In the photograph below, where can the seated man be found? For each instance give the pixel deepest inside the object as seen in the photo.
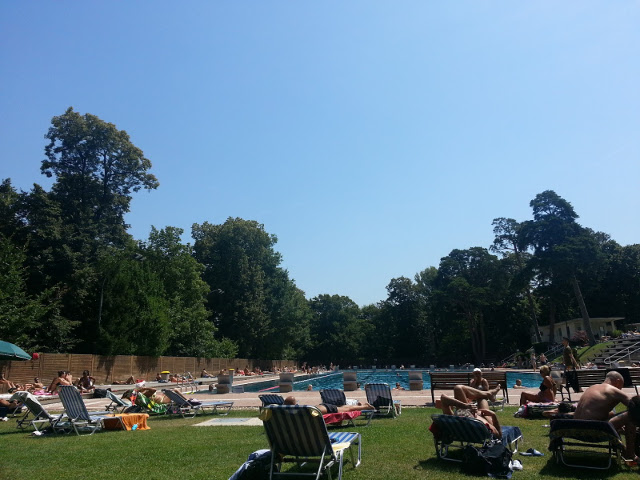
(61, 379)
(598, 401)
(466, 409)
(330, 408)
(86, 381)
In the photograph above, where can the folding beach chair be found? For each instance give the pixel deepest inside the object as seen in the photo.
(379, 395)
(39, 413)
(333, 396)
(583, 441)
(297, 433)
(117, 405)
(187, 408)
(448, 429)
(76, 411)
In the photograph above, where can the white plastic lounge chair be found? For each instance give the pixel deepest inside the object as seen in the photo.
(76, 411)
(379, 395)
(184, 407)
(297, 433)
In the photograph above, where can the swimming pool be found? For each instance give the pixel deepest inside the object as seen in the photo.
(334, 380)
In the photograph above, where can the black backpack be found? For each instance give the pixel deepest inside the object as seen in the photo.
(494, 459)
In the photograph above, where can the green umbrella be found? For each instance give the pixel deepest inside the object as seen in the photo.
(9, 351)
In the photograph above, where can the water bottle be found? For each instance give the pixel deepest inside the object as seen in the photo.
(134, 427)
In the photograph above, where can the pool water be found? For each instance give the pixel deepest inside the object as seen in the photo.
(334, 380)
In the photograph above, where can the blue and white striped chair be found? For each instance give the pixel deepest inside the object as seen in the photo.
(379, 395)
(76, 411)
(447, 429)
(297, 433)
(333, 396)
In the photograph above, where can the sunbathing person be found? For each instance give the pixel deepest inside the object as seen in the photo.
(467, 409)
(61, 379)
(467, 394)
(331, 408)
(547, 392)
(128, 381)
(85, 383)
(4, 381)
(598, 401)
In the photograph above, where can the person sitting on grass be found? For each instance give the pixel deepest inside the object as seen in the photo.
(598, 401)
(331, 408)
(547, 392)
(470, 410)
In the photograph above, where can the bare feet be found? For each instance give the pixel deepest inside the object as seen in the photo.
(493, 393)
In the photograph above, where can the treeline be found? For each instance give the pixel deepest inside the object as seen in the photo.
(74, 280)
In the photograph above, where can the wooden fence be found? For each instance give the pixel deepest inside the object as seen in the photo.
(107, 369)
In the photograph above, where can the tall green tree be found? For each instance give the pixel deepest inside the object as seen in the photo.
(562, 248)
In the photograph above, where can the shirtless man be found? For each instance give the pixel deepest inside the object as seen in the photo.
(61, 379)
(466, 409)
(330, 408)
(598, 401)
(4, 381)
(85, 383)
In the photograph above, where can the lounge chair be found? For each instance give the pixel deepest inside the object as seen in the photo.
(447, 429)
(76, 411)
(40, 414)
(591, 438)
(333, 396)
(187, 408)
(297, 433)
(379, 395)
(271, 399)
(117, 405)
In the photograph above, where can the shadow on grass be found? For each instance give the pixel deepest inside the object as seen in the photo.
(435, 465)
(553, 469)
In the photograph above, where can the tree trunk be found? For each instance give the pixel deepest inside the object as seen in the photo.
(583, 309)
(534, 317)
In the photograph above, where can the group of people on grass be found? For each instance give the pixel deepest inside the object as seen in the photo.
(596, 403)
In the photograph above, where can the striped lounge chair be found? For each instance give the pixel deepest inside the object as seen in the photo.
(76, 411)
(584, 442)
(297, 433)
(185, 407)
(333, 396)
(40, 414)
(457, 432)
(379, 395)
(271, 399)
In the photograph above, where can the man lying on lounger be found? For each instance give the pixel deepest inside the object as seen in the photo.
(330, 408)
(598, 401)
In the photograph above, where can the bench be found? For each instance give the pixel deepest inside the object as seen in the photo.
(448, 380)
(585, 378)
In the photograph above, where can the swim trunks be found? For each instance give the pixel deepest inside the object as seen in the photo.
(331, 408)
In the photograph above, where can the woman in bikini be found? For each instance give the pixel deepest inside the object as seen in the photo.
(547, 392)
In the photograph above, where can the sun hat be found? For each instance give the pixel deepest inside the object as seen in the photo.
(477, 370)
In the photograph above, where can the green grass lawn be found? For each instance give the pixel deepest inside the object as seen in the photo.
(174, 449)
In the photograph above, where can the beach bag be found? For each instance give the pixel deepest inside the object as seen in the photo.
(256, 467)
(493, 459)
(100, 393)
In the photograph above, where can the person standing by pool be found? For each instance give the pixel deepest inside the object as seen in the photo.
(570, 366)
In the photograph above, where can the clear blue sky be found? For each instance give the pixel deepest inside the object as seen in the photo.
(371, 137)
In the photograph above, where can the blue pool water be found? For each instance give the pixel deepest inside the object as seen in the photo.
(334, 380)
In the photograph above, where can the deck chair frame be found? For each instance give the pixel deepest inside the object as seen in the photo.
(573, 438)
(117, 404)
(181, 405)
(77, 414)
(379, 395)
(458, 432)
(333, 396)
(40, 415)
(298, 434)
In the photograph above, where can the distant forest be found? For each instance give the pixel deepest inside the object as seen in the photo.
(74, 280)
